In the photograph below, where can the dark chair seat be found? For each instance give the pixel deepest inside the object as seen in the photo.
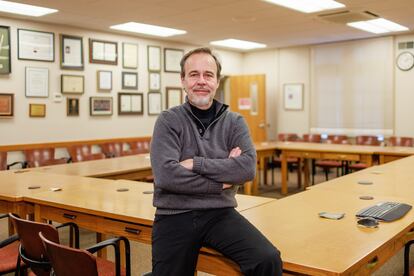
(328, 163)
(8, 257)
(107, 268)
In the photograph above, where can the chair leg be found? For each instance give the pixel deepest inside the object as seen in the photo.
(407, 258)
(313, 171)
(326, 173)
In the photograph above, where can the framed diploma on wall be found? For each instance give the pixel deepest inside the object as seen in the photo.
(71, 52)
(35, 45)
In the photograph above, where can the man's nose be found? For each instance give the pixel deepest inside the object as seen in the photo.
(201, 80)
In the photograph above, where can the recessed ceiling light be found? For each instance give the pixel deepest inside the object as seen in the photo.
(24, 9)
(147, 29)
(378, 26)
(238, 44)
(308, 6)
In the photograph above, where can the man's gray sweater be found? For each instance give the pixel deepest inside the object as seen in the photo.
(177, 137)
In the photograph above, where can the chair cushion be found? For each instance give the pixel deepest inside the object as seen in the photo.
(328, 163)
(107, 268)
(8, 257)
(358, 166)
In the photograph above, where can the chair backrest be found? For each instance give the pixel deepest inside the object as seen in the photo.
(287, 137)
(37, 157)
(401, 141)
(312, 138)
(31, 244)
(78, 153)
(337, 139)
(3, 160)
(112, 149)
(140, 146)
(67, 261)
(367, 140)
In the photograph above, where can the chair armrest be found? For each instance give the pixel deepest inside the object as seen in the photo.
(4, 216)
(23, 164)
(74, 227)
(115, 243)
(9, 240)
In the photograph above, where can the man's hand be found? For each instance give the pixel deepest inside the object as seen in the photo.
(233, 153)
(188, 164)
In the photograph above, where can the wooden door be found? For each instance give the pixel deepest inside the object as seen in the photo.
(247, 97)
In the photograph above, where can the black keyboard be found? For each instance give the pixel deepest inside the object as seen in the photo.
(386, 211)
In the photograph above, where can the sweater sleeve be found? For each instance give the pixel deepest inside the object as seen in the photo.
(165, 161)
(231, 170)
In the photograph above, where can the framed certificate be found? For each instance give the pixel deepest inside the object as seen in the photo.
(130, 103)
(172, 58)
(293, 96)
(5, 61)
(71, 52)
(6, 105)
(37, 110)
(72, 84)
(72, 106)
(103, 52)
(154, 103)
(154, 80)
(37, 82)
(129, 55)
(129, 80)
(154, 58)
(174, 96)
(104, 79)
(100, 106)
(35, 45)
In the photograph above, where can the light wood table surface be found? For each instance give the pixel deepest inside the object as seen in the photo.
(388, 154)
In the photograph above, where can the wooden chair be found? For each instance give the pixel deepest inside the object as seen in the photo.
(394, 141)
(366, 140)
(67, 261)
(337, 139)
(83, 153)
(311, 138)
(3, 162)
(112, 149)
(140, 146)
(42, 157)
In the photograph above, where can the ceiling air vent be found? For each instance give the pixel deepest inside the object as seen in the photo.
(344, 17)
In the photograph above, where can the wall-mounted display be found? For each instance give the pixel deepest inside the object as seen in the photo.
(37, 82)
(71, 52)
(37, 110)
(154, 58)
(154, 103)
(174, 96)
(172, 58)
(103, 52)
(154, 80)
(130, 103)
(104, 80)
(129, 80)
(35, 45)
(5, 61)
(293, 96)
(100, 106)
(130, 55)
(6, 105)
(72, 106)
(72, 84)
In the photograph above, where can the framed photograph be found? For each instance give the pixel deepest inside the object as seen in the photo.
(293, 96)
(154, 103)
(5, 61)
(154, 81)
(37, 110)
(100, 106)
(37, 82)
(72, 106)
(172, 58)
(154, 58)
(174, 96)
(129, 80)
(71, 52)
(130, 55)
(130, 103)
(104, 80)
(6, 105)
(72, 84)
(103, 52)
(35, 45)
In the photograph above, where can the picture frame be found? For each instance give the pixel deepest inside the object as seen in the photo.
(129, 55)
(130, 80)
(104, 80)
(172, 58)
(174, 96)
(37, 82)
(6, 105)
(130, 103)
(37, 110)
(35, 45)
(154, 81)
(72, 107)
(100, 106)
(154, 103)
(72, 84)
(71, 52)
(103, 52)
(154, 58)
(293, 96)
(5, 49)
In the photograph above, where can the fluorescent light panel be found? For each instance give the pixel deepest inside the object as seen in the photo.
(24, 9)
(308, 6)
(147, 29)
(238, 44)
(378, 26)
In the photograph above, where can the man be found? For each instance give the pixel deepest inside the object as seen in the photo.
(200, 154)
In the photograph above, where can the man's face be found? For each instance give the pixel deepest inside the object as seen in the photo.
(200, 80)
